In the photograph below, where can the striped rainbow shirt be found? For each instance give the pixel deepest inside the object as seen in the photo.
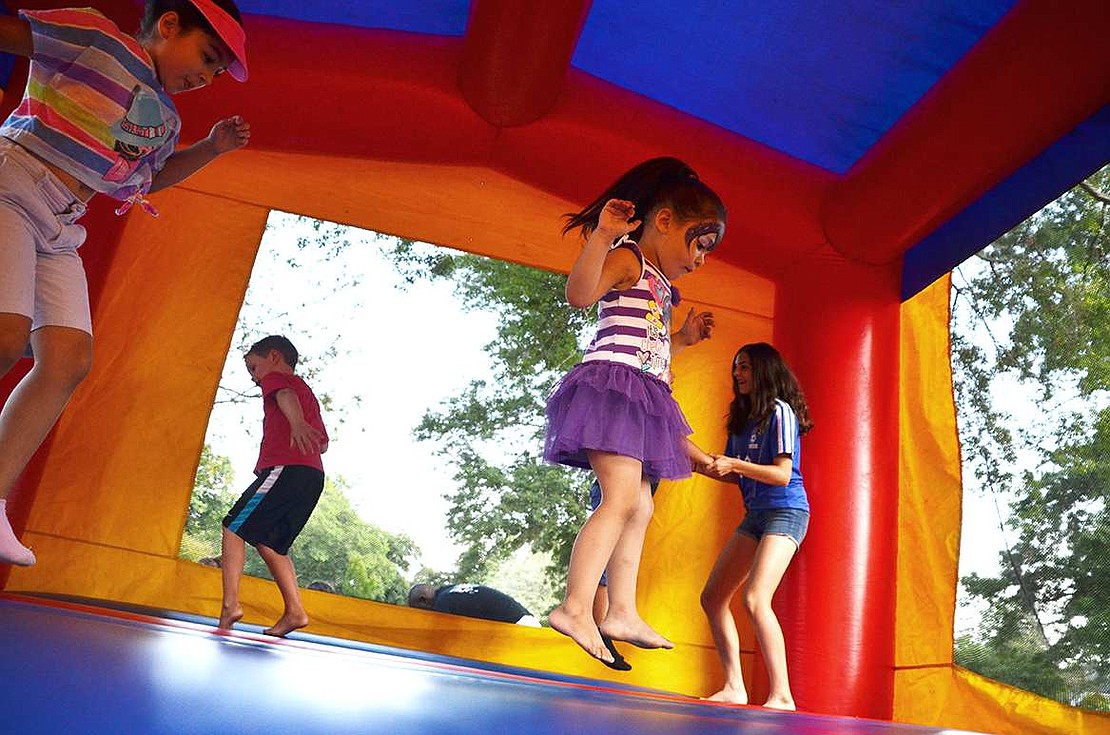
(93, 106)
(634, 325)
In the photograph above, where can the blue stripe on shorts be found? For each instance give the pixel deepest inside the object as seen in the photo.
(257, 498)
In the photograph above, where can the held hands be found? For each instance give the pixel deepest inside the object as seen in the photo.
(721, 468)
(229, 134)
(696, 328)
(307, 439)
(616, 218)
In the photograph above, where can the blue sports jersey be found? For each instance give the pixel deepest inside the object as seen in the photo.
(781, 437)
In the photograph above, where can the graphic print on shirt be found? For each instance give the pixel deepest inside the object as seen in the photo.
(755, 445)
(141, 130)
(653, 356)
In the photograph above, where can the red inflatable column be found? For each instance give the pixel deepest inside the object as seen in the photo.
(516, 55)
(837, 326)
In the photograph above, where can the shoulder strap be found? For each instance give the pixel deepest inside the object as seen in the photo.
(626, 242)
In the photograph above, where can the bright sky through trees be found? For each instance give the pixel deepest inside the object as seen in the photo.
(380, 350)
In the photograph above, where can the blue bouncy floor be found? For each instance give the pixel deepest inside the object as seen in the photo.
(77, 668)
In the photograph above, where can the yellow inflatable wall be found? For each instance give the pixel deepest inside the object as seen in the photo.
(929, 688)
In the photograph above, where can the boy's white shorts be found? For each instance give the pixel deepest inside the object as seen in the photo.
(41, 274)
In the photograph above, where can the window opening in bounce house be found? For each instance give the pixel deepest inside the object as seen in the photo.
(422, 360)
(1030, 353)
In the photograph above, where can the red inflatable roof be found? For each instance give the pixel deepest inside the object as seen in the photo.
(872, 129)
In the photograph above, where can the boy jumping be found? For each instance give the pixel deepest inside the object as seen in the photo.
(290, 477)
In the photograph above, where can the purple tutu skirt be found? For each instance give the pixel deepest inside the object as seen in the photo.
(610, 407)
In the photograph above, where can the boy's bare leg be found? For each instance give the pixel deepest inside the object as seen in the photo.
(232, 558)
(281, 567)
(63, 357)
(622, 620)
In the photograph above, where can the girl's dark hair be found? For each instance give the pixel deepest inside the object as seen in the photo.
(660, 182)
(771, 379)
(187, 14)
(276, 342)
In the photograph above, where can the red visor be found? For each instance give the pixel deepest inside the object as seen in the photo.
(230, 32)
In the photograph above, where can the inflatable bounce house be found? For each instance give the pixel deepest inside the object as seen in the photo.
(863, 148)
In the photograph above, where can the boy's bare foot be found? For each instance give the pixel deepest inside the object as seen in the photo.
(286, 624)
(634, 631)
(229, 616)
(583, 631)
(729, 695)
(783, 703)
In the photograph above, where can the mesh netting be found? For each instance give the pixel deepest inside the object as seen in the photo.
(1031, 360)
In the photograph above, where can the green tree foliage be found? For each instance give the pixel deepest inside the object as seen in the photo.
(357, 558)
(1039, 313)
(208, 506)
(491, 433)
(336, 547)
(311, 254)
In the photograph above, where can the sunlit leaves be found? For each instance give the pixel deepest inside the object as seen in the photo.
(503, 497)
(336, 547)
(1036, 310)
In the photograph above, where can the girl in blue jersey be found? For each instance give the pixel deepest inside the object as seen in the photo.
(613, 412)
(766, 419)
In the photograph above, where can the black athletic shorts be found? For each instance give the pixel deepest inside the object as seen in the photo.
(274, 509)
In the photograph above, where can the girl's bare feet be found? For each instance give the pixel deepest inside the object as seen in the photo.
(730, 695)
(286, 624)
(783, 703)
(229, 616)
(634, 631)
(583, 631)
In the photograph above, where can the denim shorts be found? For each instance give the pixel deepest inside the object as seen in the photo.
(790, 522)
(41, 274)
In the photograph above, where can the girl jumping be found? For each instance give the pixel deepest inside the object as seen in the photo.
(614, 412)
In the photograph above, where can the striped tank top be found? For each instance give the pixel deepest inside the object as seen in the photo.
(93, 106)
(634, 325)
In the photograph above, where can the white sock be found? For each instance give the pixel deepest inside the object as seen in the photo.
(11, 551)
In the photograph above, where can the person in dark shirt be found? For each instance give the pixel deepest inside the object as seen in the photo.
(471, 600)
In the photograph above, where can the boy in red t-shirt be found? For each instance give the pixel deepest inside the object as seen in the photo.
(290, 477)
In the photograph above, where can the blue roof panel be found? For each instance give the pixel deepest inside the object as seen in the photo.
(823, 91)
(443, 17)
